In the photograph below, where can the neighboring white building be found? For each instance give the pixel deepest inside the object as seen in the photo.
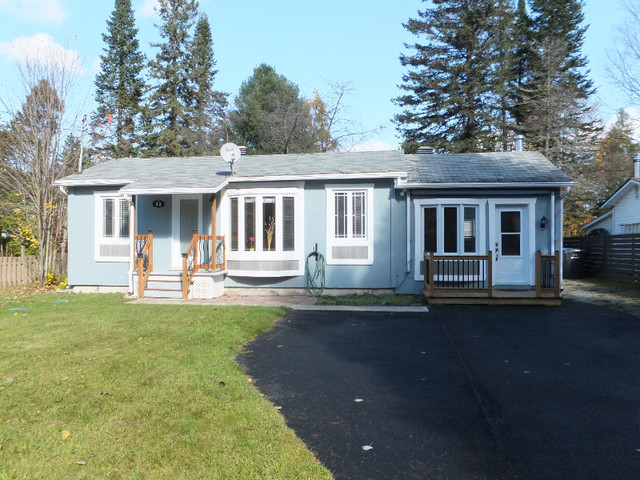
(623, 216)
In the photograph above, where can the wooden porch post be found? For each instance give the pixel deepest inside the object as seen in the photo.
(214, 202)
(140, 277)
(185, 280)
(538, 274)
(556, 272)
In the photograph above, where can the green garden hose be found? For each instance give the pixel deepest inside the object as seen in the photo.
(315, 274)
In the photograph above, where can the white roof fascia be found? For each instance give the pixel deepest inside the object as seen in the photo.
(318, 176)
(92, 183)
(405, 185)
(614, 198)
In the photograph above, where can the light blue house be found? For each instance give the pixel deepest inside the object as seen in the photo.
(489, 223)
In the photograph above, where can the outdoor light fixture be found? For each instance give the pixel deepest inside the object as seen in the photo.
(543, 222)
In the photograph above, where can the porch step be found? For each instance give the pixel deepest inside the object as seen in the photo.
(164, 286)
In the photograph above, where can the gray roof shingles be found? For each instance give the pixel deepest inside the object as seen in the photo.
(185, 173)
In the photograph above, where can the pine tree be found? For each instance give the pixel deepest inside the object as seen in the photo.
(555, 99)
(208, 130)
(452, 81)
(270, 115)
(523, 57)
(119, 86)
(167, 124)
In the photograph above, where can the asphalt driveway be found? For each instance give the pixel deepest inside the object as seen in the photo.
(465, 392)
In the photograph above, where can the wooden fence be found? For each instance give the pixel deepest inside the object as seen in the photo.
(616, 257)
(16, 271)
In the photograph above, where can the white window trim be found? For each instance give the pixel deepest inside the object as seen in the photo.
(99, 239)
(529, 228)
(332, 241)
(297, 192)
(419, 204)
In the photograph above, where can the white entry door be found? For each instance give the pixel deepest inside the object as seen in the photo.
(187, 217)
(512, 245)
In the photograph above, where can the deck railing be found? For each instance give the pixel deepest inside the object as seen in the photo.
(548, 274)
(472, 275)
(144, 259)
(449, 273)
(201, 255)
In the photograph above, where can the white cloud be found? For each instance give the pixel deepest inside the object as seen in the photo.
(147, 9)
(36, 11)
(41, 49)
(371, 146)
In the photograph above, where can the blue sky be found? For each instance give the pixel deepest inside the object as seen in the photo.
(309, 42)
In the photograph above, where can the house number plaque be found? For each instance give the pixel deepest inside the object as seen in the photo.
(158, 203)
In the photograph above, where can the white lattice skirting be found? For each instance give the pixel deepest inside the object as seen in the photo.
(205, 287)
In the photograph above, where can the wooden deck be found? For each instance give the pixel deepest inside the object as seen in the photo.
(498, 297)
(467, 280)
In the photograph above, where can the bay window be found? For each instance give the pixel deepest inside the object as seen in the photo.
(264, 232)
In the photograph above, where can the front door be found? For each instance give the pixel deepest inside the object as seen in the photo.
(511, 247)
(187, 217)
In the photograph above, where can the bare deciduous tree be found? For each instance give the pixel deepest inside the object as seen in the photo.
(334, 127)
(624, 59)
(38, 149)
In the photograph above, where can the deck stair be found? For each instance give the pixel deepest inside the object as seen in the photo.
(164, 285)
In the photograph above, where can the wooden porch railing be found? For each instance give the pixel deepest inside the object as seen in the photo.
(548, 274)
(458, 276)
(201, 255)
(144, 260)
(452, 273)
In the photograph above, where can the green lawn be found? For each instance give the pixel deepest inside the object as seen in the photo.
(370, 299)
(92, 387)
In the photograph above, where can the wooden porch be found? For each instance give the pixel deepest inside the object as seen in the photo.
(205, 253)
(468, 279)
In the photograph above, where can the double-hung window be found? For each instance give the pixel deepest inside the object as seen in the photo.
(349, 224)
(265, 227)
(112, 228)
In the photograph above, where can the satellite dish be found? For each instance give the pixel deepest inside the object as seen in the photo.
(230, 152)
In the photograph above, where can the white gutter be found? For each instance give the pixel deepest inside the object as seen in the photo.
(90, 183)
(463, 185)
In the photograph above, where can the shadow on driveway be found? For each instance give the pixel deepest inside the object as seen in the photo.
(467, 392)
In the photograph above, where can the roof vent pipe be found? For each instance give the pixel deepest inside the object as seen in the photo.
(519, 142)
(425, 151)
(636, 166)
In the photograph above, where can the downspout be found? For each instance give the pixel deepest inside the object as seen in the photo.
(562, 239)
(553, 224)
(408, 197)
(132, 244)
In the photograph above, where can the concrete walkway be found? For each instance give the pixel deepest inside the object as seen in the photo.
(293, 302)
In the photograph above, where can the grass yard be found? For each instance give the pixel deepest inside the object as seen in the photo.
(370, 299)
(92, 387)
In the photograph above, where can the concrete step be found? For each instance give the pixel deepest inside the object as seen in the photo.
(162, 293)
